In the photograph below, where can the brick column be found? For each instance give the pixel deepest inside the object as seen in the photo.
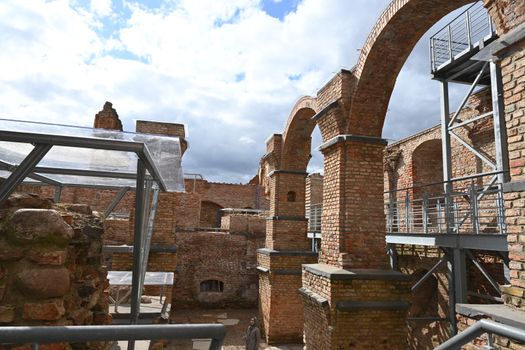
(352, 299)
(512, 65)
(279, 263)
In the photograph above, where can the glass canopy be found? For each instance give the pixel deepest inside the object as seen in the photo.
(92, 157)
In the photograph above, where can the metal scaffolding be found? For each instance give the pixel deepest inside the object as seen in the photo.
(62, 156)
(469, 212)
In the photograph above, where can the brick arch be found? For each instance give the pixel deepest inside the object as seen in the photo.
(427, 166)
(387, 47)
(297, 134)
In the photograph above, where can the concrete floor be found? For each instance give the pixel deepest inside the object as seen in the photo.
(235, 320)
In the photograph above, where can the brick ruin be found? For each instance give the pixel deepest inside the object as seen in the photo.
(351, 298)
(346, 296)
(189, 227)
(51, 265)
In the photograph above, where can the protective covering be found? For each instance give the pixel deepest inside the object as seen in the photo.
(123, 278)
(91, 157)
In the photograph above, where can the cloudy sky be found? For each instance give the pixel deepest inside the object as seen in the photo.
(230, 70)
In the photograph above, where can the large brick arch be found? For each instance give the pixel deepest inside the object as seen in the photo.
(388, 45)
(297, 135)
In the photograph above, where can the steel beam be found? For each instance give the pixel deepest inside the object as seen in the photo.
(460, 275)
(485, 273)
(137, 243)
(429, 273)
(500, 130)
(469, 92)
(21, 172)
(451, 291)
(446, 151)
(492, 242)
(116, 200)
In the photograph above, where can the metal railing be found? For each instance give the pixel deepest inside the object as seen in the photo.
(469, 208)
(461, 35)
(314, 217)
(76, 334)
(479, 328)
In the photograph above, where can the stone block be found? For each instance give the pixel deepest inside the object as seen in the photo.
(10, 252)
(7, 314)
(45, 311)
(44, 282)
(39, 225)
(45, 257)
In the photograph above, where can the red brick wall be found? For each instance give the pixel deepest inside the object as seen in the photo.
(229, 258)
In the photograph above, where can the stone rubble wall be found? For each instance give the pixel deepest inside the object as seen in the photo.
(51, 270)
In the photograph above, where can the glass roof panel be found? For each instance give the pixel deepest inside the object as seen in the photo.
(165, 153)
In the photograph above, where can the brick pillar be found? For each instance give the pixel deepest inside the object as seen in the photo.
(512, 65)
(279, 263)
(107, 118)
(352, 299)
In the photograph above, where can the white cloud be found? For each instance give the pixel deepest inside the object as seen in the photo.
(226, 69)
(101, 8)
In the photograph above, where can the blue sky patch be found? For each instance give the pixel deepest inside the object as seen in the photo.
(280, 8)
(240, 76)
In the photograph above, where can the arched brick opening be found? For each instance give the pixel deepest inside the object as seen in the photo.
(427, 168)
(354, 183)
(388, 46)
(211, 214)
(297, 135)
(287, 246)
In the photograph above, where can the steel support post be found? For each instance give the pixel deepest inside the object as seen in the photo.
(447, 158)
(500, 130)
(58, 194)
(149, 230)
(392, 253)
(137, 243)
(460, 275)
(21, 172)
(451, 291)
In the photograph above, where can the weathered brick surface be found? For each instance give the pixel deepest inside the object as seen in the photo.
(229, 258)
(353, 222)
(107, 118)
(45, 281)
(326, 327)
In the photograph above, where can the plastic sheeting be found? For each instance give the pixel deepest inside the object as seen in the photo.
(123, 278)
(96, 156)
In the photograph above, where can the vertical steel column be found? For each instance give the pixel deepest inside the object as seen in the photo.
(58, 194)
(137, 243)
(474, 210)
(500, 130)
(149, 229)
(451, 291)
(424, 212)
(447, 158)
(460, 275)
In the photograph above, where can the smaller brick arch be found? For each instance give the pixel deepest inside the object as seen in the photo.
(297, 135)
(427, 166)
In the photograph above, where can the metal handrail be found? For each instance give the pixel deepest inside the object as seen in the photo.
(460, 35)
(479, 328)
(466, 208)
(38, 335)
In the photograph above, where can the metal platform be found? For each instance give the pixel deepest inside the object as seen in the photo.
(461, 241)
